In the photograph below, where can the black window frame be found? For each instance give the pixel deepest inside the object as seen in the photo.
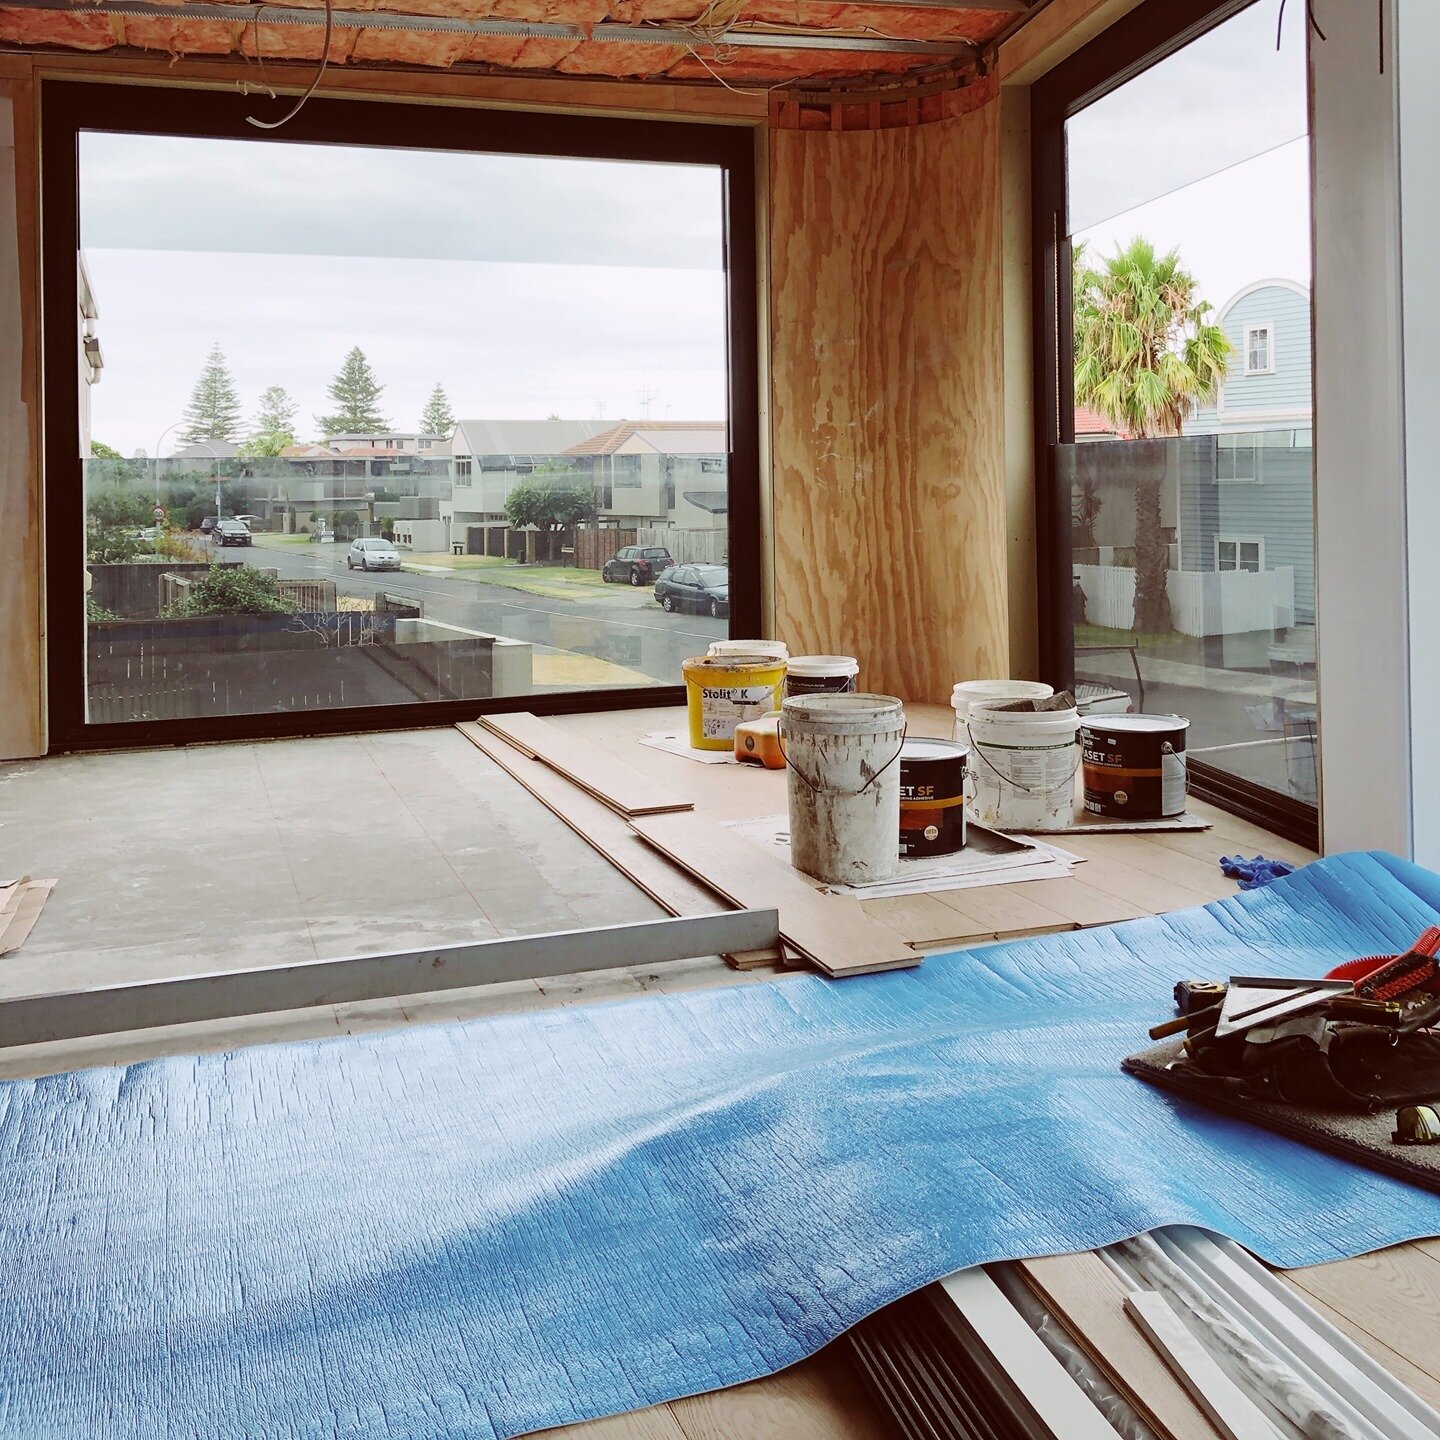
(1151, 33)
(68, 107)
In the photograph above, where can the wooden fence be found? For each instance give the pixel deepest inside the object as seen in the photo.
(688, 547)
(593, 546)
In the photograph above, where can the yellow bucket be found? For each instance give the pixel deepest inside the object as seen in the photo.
(723, 690)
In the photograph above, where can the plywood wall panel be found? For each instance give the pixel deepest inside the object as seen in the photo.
(21, 606)
(888, 400)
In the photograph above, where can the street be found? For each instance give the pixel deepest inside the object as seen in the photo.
(621, 625)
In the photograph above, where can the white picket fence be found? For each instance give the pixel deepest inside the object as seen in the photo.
(1229, 602)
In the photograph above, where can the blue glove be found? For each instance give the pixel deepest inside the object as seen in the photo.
(1252, 874)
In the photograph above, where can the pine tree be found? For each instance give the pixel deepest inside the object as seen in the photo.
(214, 409)
(275, 414)
(356, 394)
(437, 418)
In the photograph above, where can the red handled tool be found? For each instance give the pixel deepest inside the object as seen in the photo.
(1388, 977)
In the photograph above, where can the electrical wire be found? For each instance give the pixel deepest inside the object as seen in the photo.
(299, 105)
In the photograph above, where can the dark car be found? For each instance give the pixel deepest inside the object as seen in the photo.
(703, 588)
(639, 564)
(232, 532)
(207, 524)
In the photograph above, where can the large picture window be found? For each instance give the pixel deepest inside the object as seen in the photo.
(1176, 474)
(353, 423)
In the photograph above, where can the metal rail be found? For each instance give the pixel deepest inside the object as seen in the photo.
(145, 1005)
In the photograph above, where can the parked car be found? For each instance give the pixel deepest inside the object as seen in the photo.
(703, 588)
(150, 533)
(207, 524)
(232, 532)
(372, 555)
(639, 564)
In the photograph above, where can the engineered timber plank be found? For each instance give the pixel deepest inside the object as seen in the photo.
(1088, 1299)
(1075, 900)
(832, 931)
(1234, 1414)
(1004, 910)
(601, 828)
(822, 1398)
(656, 1423)
(612, 781)
(1426, 1386)
(1200, 875)
(924, 919)
(1393, 1295)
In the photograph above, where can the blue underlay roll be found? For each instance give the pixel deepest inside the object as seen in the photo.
(487, 1228)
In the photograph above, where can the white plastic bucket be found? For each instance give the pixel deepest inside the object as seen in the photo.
(771, 649)
(821, 675)
(971, 692)
(1023, 766)
(842, 754)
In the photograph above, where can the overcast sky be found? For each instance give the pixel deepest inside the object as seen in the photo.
(1205, 153)
(526, 286)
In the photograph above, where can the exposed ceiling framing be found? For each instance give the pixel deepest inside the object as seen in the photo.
(766, 43)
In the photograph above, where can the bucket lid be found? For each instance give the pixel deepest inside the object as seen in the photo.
(844, 714)
(969, 691)
(816, 667)
(1133, 723)
(737, 664)
(921, 748)
(776, 648)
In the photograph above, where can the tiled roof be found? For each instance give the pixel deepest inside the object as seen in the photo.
(609, 441)
(1091, 423)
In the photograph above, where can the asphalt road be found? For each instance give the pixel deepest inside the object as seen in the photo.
(621, 625)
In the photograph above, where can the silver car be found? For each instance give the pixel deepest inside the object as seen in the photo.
(373, 555)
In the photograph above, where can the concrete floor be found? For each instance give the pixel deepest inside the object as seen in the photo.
(228, 856)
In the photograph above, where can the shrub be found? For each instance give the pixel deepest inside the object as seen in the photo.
(110, 544)
(233, 590)
(94, 610)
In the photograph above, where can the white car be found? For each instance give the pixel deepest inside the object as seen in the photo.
(373, 555)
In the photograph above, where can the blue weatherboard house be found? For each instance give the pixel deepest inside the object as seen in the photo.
(1256, 513)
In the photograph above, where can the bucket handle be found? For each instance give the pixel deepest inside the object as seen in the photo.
(979, 748)
(814, 788)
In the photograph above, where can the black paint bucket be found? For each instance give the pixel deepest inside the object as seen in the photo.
(932, 797)
(820, 675)
(1134, 765)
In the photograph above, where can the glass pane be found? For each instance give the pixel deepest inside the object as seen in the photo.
(367, 427)
(1191, 479)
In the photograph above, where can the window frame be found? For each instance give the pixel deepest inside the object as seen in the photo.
(1153, 31)
(1268, 326)
(1258, 541)
(70, 106)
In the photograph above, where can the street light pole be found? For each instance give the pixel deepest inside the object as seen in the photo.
(158, 443)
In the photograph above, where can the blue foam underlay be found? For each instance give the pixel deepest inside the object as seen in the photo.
(486, 1228)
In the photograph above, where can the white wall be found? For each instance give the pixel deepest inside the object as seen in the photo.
(1363, 592)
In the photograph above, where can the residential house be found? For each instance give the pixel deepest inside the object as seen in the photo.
(489, 458)
(667, 473)
(1257, 513)
(92, 358)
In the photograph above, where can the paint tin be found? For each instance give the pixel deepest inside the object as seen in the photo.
(1134, 765)
(721, 691)
(971, 692)
(932, 797)
(821, 675)
(723, 649)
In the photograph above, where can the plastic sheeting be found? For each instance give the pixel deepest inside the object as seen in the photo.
(486, 1228)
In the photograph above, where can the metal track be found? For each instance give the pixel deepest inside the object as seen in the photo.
(228, 994)
(605, 31)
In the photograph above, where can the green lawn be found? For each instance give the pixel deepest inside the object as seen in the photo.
(1101, 635)
(275, 542)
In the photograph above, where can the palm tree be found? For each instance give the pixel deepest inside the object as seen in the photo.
(1147, 355)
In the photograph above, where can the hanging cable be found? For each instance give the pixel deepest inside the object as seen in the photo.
(1309, 11)
(299, 105)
